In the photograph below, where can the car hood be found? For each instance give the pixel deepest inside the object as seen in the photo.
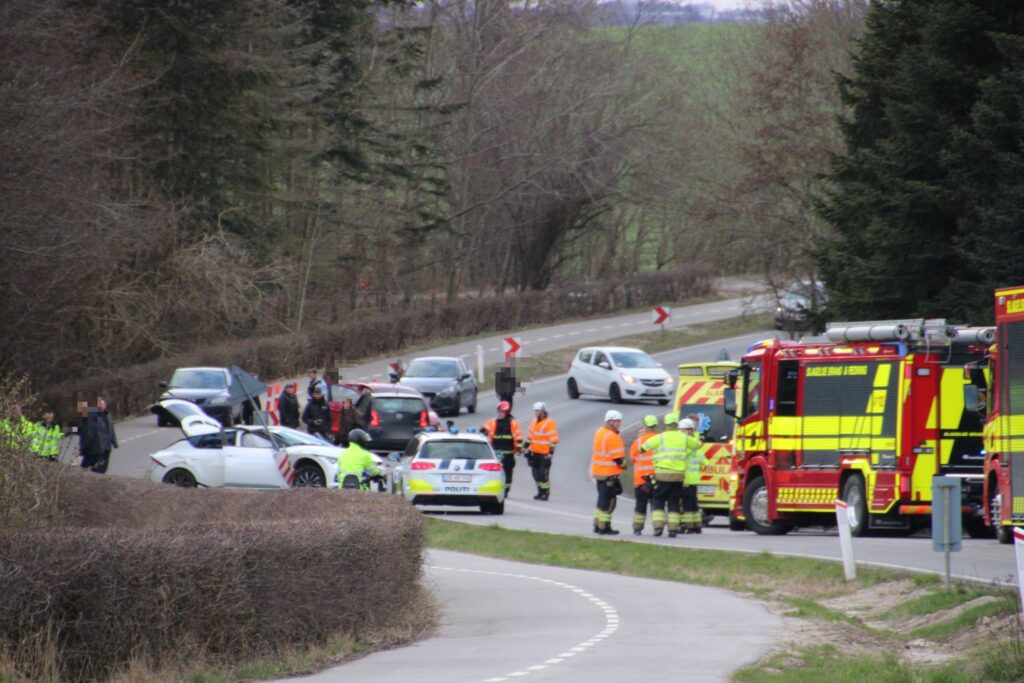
(428, 384)
(189, 417)
(645, 373)
(193, 394)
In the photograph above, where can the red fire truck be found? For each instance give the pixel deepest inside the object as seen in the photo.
(996, 394)
(869, 416)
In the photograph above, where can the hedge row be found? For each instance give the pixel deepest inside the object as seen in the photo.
(131, 390)
(137, 572)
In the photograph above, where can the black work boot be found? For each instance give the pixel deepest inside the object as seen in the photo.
(598, 530)
(610, 532)
(540, 494)
(658, 531)
(545, 494)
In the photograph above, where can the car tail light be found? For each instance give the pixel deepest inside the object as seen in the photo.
(490, 466)
(423, 465)
(374, 418)
(424, 419)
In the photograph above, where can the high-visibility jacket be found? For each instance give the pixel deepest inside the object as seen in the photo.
(609, 453)
(46, 443)
(670, 451)
(643, 464)
(356, 460)
(693, 460)
(542, 435)
(17, 434)
(504, 438)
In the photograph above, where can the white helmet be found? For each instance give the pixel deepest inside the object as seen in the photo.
(687, 423)
(612, 415)
(540, 405)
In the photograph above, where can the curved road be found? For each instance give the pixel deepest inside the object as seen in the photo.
(506, 621)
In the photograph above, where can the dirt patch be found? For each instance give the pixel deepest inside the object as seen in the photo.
(870, 602)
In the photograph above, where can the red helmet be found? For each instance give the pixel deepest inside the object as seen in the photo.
(504, 407)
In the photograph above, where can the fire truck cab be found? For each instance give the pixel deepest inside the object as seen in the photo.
(995, 394)
(869, 416)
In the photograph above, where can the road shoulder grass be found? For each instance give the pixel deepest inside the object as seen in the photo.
(833, 630)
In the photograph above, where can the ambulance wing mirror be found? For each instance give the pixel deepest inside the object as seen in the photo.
(731, 378)
(729, 401)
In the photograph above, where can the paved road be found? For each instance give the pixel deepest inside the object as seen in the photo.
(139, 437)
(505, 621)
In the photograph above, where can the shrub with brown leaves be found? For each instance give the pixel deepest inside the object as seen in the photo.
(141, 572)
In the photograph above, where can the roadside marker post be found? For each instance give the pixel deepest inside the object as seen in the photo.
(946, 519)
(1018, 547)
(511, 346)
(480, 363)
(660, 315)
(845, 539)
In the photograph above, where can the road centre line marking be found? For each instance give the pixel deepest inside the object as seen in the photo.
(611, 617)
(139, 436)
(591, 329)
(558, 336)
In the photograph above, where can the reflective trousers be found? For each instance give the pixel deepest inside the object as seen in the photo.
(644, 495)
(667, 494)
(607, 493)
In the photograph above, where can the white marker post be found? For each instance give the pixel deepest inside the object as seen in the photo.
(845, 539)
(1018, 546)
(479, 363)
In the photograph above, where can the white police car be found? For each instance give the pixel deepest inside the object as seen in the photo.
(452, 468)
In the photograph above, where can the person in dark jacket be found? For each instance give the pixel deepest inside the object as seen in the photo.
(288, 407)
(96, 437)
(317, 414)
(348, 420)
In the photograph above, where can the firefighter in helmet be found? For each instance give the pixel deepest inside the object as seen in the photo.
(506, 438)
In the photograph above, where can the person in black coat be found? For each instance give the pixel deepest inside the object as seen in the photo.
(288, 407)
(96, 437)
(317, 415)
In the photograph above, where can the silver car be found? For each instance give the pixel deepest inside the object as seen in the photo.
(452, 468)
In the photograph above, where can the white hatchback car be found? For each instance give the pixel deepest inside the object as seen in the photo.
(620, 374)
(242, 456)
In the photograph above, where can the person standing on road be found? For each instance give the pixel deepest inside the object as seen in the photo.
(288, 406)
(96, 437)
(669, 455)
(643, 473)
(355, 461)
(606, 464)
(505, 384)
(48, 435)
(506, 438)
(317, 414)
(691, 519)
(315, 383)
(540, 444)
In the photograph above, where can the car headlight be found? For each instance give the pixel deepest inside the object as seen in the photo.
(669, 380)
(448, 390)
(218, 400)
(628, 379)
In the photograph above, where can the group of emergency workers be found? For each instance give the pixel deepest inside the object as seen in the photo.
(666, 471)
(506, 437)
(41, 438)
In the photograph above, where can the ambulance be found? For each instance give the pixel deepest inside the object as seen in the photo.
(699, 392)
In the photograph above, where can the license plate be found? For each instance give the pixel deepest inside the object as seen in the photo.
(458, 477)
(705, 490)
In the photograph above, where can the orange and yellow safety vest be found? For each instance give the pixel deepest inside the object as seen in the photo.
(609, 451)
(543, 434)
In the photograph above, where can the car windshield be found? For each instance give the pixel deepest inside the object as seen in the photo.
(633, 359)
(198, 379)
(340, 393)
(293, 437)
(431, 368)
(456, 450)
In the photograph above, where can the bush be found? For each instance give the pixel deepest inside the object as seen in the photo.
(139, 572)
(130, 390)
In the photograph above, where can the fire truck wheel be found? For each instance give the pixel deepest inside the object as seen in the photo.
(853, 494)
(1004, 534)
(755, 508)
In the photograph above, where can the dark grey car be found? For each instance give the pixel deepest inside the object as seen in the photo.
(445, 381)
(209, 388)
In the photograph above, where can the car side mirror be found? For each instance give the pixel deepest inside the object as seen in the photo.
(162, 385)
(605, 365)
(394, 457)
(464, 376)
(729, 401)
(972, 399)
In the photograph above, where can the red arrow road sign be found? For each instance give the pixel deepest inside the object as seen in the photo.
(661, 314)
(511, 346)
